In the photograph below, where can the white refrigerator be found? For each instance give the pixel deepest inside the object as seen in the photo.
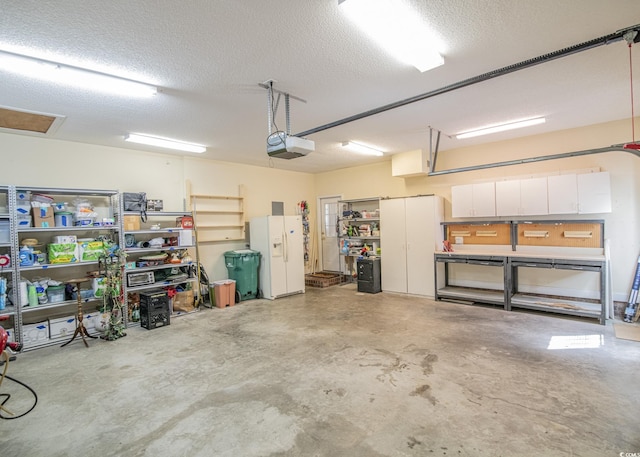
(279, 240)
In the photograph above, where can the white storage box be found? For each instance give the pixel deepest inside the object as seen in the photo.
(62, 327)
(89, 321)
(23, 209)
(23, 220)
(186, 238)
(32, 334)
(24, 198)
(4, 232)
(65, 239)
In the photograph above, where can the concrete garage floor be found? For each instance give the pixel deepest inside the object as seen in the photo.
(334, 373)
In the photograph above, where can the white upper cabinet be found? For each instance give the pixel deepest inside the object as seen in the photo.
(508, 197)
(586, 193)
(473, 200)
(594, 193)
(521, 197)
(563, 194)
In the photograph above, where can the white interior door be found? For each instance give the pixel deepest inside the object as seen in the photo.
(328, 221)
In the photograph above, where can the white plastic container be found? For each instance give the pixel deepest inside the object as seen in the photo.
(4, 232)
(63, 219)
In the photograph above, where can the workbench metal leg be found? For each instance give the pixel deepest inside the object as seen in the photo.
(506, 268)
(603, 303)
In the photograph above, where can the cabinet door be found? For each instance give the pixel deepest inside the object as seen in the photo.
(594, 193)
(533, 197)
(393, 243)
(562, 194)
(484, 199)
(508, 198)
(462, 201)
(421, 235)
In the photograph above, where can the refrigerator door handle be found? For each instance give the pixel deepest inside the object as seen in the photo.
(286, 247)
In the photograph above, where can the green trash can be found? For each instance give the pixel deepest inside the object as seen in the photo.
(242, 266)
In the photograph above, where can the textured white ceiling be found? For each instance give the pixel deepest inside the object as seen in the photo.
(208, 57)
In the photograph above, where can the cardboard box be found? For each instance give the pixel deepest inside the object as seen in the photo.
(43, 216)
(90, 251)
(62, 252)
(183, 302)
(62, 327)
(131, 223)
(33, 334)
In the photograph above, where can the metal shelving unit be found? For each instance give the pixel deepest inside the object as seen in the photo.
(134, 255)
(355, 242)
(9, 272)
(26, 314)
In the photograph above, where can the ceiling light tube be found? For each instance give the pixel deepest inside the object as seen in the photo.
(361, 148)
(164, 143)
(397, 29)
(501, 128)
(73, 76)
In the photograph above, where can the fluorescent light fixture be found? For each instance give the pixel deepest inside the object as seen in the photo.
(397, 29)
(501, 127)
(164, 143)
(73, 76)
(361, 148)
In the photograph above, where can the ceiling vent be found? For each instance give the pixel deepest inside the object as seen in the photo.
(14, 120)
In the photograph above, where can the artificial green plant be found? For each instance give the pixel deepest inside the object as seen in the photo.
(112, 267)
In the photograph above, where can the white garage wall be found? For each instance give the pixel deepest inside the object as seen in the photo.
(621, 226)
(42, 162)
(39, 162)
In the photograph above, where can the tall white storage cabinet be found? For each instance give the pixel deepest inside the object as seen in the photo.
(279, 240)
(410, 234)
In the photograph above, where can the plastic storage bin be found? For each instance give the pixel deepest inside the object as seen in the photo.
(225, 293)
(242, 266)
(55, 294)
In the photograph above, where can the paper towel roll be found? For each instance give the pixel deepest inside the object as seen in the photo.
(24, 297)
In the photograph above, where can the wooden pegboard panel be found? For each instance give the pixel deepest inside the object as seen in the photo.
(487, 234)
(564, 234)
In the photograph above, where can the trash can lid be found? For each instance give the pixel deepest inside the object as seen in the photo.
(245, 251)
